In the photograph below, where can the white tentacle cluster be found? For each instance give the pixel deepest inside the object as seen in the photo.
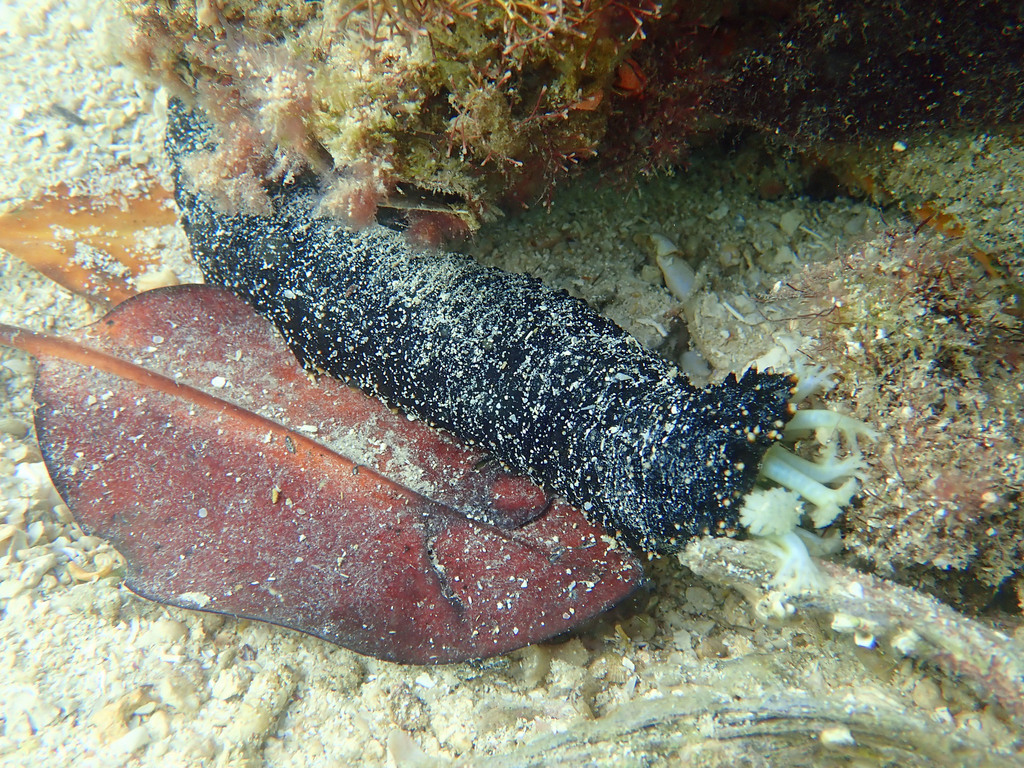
(827, 483)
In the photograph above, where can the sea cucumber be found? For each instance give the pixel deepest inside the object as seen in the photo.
(536, 377)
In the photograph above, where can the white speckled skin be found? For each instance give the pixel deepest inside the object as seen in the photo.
(538, 378)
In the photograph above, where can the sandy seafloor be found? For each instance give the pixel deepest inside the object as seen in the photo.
(92, 676)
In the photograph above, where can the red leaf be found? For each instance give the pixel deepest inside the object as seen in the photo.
(180, 428)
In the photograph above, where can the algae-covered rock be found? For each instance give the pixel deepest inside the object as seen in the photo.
(440, 107)
(441, 112)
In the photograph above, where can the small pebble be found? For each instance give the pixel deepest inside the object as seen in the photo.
(229, 683)
(178, 692)
(534, 665)
(165, 631)
(719, 213)
(14, 427)
(837, 736)
(132, 741)
(790, 221)
(927, 695)
(10, 588)
(156, 278)
(699, 600)
(37, 568)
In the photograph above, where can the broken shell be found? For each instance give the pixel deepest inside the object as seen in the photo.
(78, 573)
(680, 278)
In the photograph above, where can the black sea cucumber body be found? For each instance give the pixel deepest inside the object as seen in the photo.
(534, 376)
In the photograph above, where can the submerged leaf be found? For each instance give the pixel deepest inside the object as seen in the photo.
(88, 245)
(181, 428)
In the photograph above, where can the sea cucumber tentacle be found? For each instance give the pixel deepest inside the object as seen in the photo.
(534, 376)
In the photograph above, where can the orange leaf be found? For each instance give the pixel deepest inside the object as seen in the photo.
(88, 245)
